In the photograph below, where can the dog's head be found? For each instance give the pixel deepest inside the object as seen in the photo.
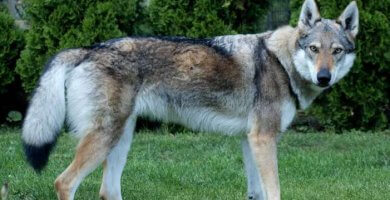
(325, 50)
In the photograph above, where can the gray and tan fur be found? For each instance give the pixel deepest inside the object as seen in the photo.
(240, 84)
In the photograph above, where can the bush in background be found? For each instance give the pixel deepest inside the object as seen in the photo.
(204, 18)
(11, 43)
(56, 25)
(361, 99)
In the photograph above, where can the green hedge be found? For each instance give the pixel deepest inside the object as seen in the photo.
(56, 25)
(205, 18)
(11, 43)
(361, 100)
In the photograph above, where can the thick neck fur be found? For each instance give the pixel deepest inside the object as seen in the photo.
(282, 42)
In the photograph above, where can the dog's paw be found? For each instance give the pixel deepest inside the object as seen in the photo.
(4, 191)
(254, 196)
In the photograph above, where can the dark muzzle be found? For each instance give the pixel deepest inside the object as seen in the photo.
(323, 77)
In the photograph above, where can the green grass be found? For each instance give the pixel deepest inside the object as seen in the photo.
(208, 166)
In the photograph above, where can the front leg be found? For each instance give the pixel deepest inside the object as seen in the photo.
(255, 187)
(263, 147)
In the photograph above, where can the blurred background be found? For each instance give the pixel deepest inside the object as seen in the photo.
(31, 31)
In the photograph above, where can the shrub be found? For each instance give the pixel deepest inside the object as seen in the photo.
(361, 100)
(11, 43)
(204, 18)
(56, 25)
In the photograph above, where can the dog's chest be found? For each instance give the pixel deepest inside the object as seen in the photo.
(288, 111)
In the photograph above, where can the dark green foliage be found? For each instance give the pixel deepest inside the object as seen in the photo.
(11, 43)
(205, 18)
(188, 18)
(57, 25)
(362, 98)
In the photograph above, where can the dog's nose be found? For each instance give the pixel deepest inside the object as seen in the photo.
(323, 77)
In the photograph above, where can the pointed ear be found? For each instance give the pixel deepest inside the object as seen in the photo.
(309, 15)
(349, 19)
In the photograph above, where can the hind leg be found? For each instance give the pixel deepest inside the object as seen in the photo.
(115, 162)
(112, 104)
(91, 152)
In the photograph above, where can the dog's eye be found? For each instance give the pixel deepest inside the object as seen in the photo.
(337, 50)
(313, 49)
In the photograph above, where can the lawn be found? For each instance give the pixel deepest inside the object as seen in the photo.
(188, 165)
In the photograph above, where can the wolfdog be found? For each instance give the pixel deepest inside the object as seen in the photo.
(236, 84)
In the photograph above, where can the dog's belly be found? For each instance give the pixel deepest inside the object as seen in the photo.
(196, 118)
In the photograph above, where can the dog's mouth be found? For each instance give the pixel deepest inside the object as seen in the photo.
(323, 85)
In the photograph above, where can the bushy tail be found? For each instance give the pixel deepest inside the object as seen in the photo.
(45, 115)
